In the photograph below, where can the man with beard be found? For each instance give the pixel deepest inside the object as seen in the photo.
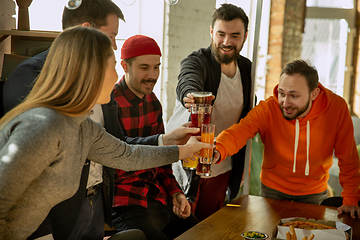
(150, 200)
(301, 126)
(221, 70)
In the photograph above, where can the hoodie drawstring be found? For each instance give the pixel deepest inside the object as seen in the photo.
(307, 167)
(297, 130)
(296, 143)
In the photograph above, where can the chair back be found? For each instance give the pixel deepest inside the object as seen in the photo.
(332, 202)
(11, 61)
(1, 98)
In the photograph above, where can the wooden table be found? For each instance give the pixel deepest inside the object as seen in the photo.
(261, 214)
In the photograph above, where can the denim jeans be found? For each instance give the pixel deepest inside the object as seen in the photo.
(90, 223)
(312, 198)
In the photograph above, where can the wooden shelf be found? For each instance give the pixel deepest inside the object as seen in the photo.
(28, 43)
(31, 33)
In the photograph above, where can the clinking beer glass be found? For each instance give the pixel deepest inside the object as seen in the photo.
(202, 97)
(206, 154)
(200, 114)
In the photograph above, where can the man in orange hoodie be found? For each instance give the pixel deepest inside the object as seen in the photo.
(300, 125)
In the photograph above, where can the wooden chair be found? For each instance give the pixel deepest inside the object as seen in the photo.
(11, 61)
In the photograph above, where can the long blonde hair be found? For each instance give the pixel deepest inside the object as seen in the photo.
(73, 74)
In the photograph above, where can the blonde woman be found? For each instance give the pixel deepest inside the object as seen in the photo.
(45, 141)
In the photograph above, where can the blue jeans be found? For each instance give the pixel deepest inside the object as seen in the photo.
(90, 223)
(312, 198)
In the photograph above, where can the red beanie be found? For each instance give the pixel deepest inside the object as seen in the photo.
(139, 45)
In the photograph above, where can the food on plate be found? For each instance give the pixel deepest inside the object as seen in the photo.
(253, 235)
(311, 237)
(308, 225)
(292, 235)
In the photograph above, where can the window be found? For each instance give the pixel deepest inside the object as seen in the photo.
(328, 42)
(142, 17)
(326, 49)
(331, 3)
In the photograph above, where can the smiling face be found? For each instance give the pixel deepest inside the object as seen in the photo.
(110, 79)
(295, 99)
(227, 40)
(142, 73)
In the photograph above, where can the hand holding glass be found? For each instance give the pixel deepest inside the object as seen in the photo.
(191, 163)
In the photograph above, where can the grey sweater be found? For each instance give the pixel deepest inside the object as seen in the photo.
(42, 153)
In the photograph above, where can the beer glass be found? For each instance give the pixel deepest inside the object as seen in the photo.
(202, 97)
(200, 113)
(206, 154)
(203, 169)
(191, 164)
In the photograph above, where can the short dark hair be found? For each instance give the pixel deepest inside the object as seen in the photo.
(94, 12)
(229, 12)
(129, 61)
(305, 69)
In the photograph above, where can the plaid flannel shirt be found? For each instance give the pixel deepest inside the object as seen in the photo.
(141, 118)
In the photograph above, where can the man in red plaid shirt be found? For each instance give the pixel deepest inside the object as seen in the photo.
(150, 200)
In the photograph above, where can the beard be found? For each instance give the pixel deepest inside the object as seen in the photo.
(137, 86)
(297, 114)
(225, 58)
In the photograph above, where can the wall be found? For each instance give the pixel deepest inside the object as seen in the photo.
(285, 37)
(294, 28)
(186, 29)
(7, 22)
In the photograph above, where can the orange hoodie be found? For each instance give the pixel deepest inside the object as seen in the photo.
(299, 153)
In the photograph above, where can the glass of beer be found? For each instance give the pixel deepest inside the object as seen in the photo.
(206, 155)
(203, 169)
(202, 97)
(207, 136)
(200, 114)
(191, 165)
